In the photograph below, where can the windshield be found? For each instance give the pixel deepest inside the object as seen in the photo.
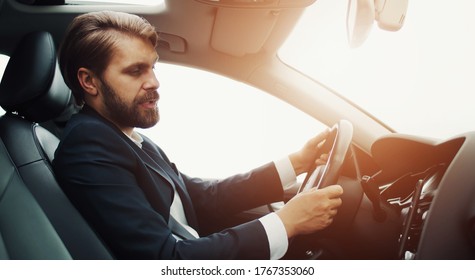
(418, 80)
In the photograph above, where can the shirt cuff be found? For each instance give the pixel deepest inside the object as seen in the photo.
(286, 172)
(276, 235)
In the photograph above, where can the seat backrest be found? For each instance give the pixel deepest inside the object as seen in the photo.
(25, 230)
(34, 211)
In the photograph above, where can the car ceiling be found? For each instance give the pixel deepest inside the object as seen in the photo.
(197, 33)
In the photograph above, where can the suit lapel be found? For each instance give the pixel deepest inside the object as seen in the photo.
(177, 180)
(155, 166)
(155, 161)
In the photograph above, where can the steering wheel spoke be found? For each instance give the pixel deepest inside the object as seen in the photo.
(336, 145)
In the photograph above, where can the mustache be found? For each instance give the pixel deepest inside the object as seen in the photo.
(149, 96)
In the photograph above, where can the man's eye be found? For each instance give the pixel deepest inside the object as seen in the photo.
(135, 71)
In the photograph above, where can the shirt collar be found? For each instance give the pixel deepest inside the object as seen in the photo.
(136, 138)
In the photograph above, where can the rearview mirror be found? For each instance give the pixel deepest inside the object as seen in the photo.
(389, 14)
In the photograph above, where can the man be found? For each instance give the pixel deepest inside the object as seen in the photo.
(127, 188)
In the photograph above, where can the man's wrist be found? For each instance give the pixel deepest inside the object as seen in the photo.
(297, 163)
(289, 229)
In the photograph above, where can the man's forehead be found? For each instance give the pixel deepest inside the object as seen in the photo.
(130, 50)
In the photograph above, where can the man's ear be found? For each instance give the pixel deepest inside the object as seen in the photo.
(88, 81)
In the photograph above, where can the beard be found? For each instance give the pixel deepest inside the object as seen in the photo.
(129, 115)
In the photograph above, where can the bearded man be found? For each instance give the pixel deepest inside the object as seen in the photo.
(125, 186)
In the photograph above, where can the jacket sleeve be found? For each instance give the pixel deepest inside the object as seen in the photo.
(102, 176)
(221, 198)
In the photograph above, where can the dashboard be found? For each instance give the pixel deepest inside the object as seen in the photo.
(413, 198)
(430, 186)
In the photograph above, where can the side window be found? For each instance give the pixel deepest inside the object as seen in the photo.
(3, 64)
(212, 126)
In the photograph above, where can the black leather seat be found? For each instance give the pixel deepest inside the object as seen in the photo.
(37, 221)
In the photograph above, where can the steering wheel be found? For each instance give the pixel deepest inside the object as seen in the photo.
(336, 146)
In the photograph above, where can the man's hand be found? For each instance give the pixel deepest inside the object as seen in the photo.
(304, 159)
(311, 210)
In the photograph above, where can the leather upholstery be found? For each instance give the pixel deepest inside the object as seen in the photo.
(37, 220)
(25, 231)
(32, 85)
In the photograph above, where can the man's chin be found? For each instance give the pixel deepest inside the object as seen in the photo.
(150, 120)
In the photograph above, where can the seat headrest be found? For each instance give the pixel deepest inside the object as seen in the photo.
(32, 85)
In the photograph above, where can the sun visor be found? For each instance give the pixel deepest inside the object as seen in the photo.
(242, 31)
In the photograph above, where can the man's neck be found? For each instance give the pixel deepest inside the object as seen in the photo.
(101, 111)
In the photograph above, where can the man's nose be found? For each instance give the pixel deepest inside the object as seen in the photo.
(152, 81)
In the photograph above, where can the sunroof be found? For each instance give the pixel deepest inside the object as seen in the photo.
(119, 2)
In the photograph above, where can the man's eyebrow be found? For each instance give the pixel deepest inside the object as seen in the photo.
(141, 64)
(135, 65)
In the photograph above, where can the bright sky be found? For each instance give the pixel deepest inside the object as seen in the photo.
(418, 80)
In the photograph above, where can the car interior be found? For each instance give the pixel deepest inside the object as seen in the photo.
(38, 220)
(405, 197)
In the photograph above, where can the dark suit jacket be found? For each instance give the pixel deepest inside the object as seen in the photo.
(125, 193)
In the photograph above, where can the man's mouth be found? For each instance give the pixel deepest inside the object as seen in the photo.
(150, 102)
